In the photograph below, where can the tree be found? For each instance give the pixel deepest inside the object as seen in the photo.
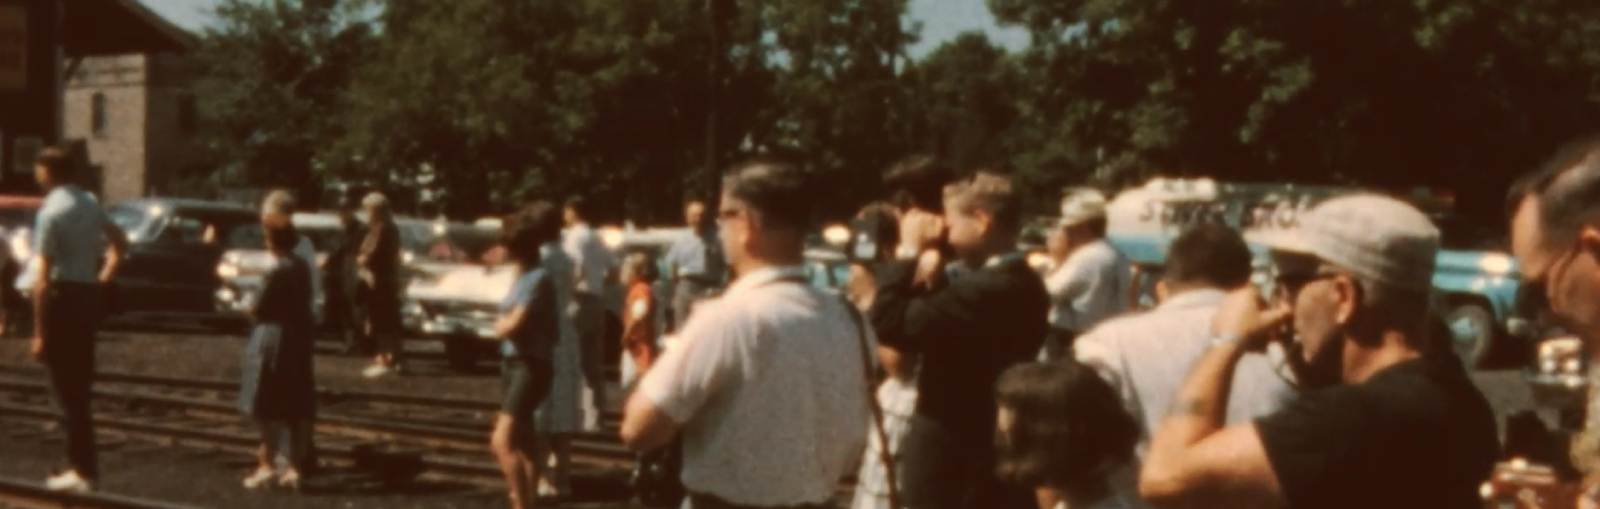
(274, 80)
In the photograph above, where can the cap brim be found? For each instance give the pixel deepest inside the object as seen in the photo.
(1283, 242)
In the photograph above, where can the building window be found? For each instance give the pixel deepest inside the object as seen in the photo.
(188, 117)
(97, 114)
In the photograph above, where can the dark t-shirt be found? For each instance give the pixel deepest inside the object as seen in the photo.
(1417, 434)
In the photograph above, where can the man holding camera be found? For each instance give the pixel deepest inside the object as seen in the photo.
(967, 326)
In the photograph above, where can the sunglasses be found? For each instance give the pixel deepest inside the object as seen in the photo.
(1287, 286)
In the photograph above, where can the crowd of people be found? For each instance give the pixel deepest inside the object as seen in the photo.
(950, 373)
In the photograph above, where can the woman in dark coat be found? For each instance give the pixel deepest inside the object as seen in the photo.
(277, 389)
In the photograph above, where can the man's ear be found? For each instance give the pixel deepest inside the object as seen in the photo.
(1349, 298)
(1589, 240)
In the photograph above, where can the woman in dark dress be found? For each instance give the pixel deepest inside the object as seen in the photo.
(528, 328)
(277, 389)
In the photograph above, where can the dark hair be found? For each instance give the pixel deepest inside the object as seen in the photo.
(57, 161)
(581, 206)
(774, 189)
(918, 182)
(526, 230)
(1069, 427)
(1209, 254)
(874, 233)
(1568, 187)
(280, 235)
(1097, 226)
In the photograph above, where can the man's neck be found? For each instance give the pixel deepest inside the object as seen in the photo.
(750, 266)
(1360, 363)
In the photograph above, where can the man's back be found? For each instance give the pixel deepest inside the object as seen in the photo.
(1417, 434)
(968, 332)
(767, 383)
(590, 256)
(69, 232)
(1091, 286)
(1147, 356)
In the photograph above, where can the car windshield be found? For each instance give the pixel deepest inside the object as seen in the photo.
(131, 220)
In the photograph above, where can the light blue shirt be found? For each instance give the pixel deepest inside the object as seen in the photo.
(698, 255)
(70, 232)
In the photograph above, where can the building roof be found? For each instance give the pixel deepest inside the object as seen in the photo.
(119, 27)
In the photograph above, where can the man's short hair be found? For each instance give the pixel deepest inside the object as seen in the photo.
(1568, 187)
(278, 202)
(776, 190)
(57, 162)
(990, 192)
(529, 228)
(577, 204)
(1210, 255)
(917, 182)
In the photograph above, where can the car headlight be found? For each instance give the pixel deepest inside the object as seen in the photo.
(1496, 264)
(837, 235)
(612, 237)
(226, 270)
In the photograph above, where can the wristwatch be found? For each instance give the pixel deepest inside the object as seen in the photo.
(1226, 339)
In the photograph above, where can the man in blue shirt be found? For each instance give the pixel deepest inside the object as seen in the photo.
(72, 233)
(696, 262)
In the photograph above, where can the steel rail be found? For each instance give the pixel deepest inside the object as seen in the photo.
(25, 494)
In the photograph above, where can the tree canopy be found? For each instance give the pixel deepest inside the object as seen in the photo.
(636, 104)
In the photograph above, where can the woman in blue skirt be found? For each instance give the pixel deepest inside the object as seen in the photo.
(277, 389)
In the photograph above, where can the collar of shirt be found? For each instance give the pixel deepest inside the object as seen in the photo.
(1194, 299)
(765, 275)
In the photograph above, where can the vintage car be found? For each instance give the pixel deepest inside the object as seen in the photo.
(457, 304)
(170, 272)
(240, 269)
(1474, 279)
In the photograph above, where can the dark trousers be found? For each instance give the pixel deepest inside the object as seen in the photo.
(73, 320)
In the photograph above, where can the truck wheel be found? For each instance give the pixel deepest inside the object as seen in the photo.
(1472, 334)
(462, 352)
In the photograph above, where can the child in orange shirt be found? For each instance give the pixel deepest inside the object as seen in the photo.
(639, 312)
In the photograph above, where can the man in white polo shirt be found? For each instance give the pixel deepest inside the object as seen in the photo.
(1091, 284)
(765, 382)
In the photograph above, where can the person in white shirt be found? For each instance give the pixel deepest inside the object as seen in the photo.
(594, 264)
(765, 383)
(1091, 284)
(1145, 357)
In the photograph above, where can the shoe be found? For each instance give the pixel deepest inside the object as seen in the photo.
(259, 480)
(376, 371)
(69, 482)
(290, 480)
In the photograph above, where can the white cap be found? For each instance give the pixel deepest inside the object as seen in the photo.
(1082, 204)
(1372, 236)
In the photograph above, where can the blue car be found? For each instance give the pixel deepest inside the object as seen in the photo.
(1475, 283)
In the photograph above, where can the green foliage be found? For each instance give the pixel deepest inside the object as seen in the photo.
(637, 103)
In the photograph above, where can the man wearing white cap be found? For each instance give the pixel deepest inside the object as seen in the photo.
(1091, 283)
(1383, 425)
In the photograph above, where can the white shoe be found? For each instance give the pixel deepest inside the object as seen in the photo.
(290, 480)
(68, 482)
(261, 479)
(376, 371)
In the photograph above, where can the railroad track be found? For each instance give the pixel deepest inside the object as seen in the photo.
(22, 494)
(398, 435)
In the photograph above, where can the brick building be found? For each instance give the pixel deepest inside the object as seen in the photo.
(44, 42)
(136, 114)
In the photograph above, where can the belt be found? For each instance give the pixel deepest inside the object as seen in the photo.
(704, 501)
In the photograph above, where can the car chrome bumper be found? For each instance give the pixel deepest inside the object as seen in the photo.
(448, 319)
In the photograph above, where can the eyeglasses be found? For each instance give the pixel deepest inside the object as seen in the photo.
(1287, 286)
(729, 214)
